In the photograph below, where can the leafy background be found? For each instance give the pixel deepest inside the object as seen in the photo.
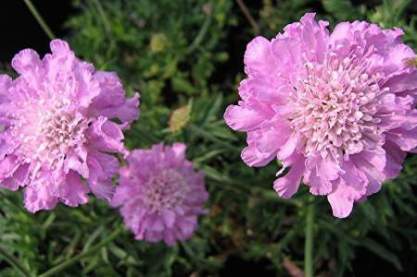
(185, 57)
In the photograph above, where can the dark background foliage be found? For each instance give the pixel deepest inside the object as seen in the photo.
(185, 57)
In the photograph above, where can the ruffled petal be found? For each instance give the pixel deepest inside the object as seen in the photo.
(264, 143)
(26, 61)
(17, 179)
(289, 147)
(350, 188)
(38, 195)
(263, 90)
(5, 82)
(111, 101)
(395, 157)
(77, 161)
(405, 139)
(102, 168)
(179, 150)
(320, 172)
(341, 202)
(74, 192)
(123, 193)
(305, 39)
(106, 136)
(287, 185)
(402, 82)
(252, 157)
(168, 218)
(258, 57)
(242, 119)
(8, 166)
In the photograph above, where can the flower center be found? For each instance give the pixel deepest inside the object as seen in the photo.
(166, 190)
(47, 134)
(335, 106)
(61, 132)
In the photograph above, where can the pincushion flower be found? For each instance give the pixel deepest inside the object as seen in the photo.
(58, 133)
(160, 195)
(337, 109)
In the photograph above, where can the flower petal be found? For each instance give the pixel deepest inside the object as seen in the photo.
(111, 101)
(242, 119)
(106, 136)
(74, 192)
(38, 196)
(287, 185)
(340, 202)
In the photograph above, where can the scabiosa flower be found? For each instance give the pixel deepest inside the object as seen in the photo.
(336, 109)
(58, 131)
(160, 195)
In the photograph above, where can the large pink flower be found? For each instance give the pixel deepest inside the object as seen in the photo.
(336, 109)
(160, 195)
(57, 129)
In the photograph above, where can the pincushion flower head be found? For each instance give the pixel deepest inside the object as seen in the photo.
(160, 194)
(337, 109)
(58, 129)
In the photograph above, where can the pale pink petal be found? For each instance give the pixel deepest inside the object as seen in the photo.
(242, 119)
(111, 101)
(341, 202)
(179, 150)
(106, 136)
(258, 57)
(320, 173)
(103, 166)
(38, 195)
(74, 192)
(252, 157)
(26, 61)
(17, 179)
(8, 167)
(287, 185)
(289, 147)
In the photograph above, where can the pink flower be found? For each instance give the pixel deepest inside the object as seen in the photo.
(336, 109)
(57, 128)
(160, 195)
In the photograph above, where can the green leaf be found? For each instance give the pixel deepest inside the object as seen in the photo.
(382, 252)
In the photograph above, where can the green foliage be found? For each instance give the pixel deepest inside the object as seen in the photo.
(185, 58)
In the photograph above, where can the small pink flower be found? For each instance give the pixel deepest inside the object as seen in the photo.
(160, 195)
(337, 109)
(57, 129)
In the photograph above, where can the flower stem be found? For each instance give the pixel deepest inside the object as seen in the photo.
(248, 16)
(201, 34)
(39, 19)
(308, 250)
(92, 250)
(14, 263)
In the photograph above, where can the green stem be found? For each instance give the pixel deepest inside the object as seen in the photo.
(308, 250)
(78, 257)
(39, 19)
(200, 36)
(14, 263)
(248, 16)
